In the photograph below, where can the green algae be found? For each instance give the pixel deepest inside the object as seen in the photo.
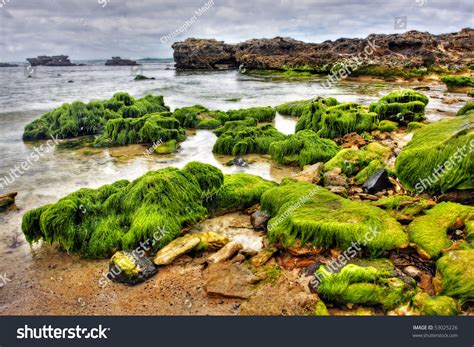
(439, 157)
(351, 161)
(430, 232)
(455, 275)
(403, 206)
(401, 106)
(320, 309)
(440, 305)
(168, 147)
(412, 126)
(302, 148)
(467, 109)
(239, 191)
(453, 82)
(370, 283)
(388, 125)
(98, 222)
(260, 114)
(247, 139)
(188, 116)
(79, 119)
(298, 108)
(302, 211)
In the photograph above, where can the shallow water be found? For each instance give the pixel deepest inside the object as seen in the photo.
(61, 171)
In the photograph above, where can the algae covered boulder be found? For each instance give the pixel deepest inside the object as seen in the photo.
(302, 211)
(439, 305)
(98, 222)
(298, 108)
(79, 119)
(455, 275)
(239, 191)
(260, 114)
(371, 283)
(242, 139)
(404, 105)
(430, 232)
(188, 116)
(467, 109)
(454, 82)
(304, 147)
(440, 157)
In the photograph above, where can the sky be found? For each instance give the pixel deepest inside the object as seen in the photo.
(99, 29)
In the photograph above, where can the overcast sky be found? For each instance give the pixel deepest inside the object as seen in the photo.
(89, 29)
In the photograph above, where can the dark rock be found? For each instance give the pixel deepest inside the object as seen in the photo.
(259, 220)
(70, 81)
(7, 200)
(465, 197)
(8, 65)
(407, 50)
(142, 78)
(130, 268)
(117, 61)
(376, 182)
(238, 161)
(55, 60)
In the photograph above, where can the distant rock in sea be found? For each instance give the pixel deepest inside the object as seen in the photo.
(117, 61)
(8, 65)
(55, 60)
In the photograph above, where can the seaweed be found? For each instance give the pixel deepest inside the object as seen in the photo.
(304, 147)
(435, 305)
(401, 106)
(188, 116)
(453, 82)
(260, 114)
(467, 109)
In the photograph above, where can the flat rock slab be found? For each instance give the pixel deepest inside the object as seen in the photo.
(174, 249)
(281, 298)
(229, 280)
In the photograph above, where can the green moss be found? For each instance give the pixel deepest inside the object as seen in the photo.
(435, 305)
(235, 125)
(168, 147)
(391, 73)
(388, 125)
(403, 206)
(247, 139)
(471, 93)
(209, 123)
(439, 157)
(455, 275)
(453, 82)
(372, 283)
(401, 106)
(430, 232)
(188, 116)
(321, 309)
(239, 191)
(79, 119)
(261, 114)
(302, 211)
(302, 148)
(412, 126)
(467, 109)
(98, 222)
(351, 161)
(147, 129)
(298, 108)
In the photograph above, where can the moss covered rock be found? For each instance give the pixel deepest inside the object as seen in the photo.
(247, 139)
(78, 119)
(404, 207)
(188, 116)
(260, 114)
(467, 109)
(302, 211)
(98, 222)
(130, 268)
(401, 106)
(430, 232)
(239, 191)
(455, 275)
(370, 283)
(387, 125)
(439, 157)
(454, 82)
(298, 108)
(304, 147)
(168, 147)
(440, 305)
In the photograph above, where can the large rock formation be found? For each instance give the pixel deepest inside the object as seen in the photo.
(55, 60)
(409, 50)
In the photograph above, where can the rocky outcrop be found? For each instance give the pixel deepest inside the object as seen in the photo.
(8, 65)
(117, 61)
(412, 49)
(7, 200)
(55, 60)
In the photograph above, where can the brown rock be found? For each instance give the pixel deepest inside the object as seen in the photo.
(426, 283)
(310, 173)
(230, 280)
(7, 200)
(333, 178)
(175, 248)
(352, 140)
(262, 257)
(259, 220)
(226, 252)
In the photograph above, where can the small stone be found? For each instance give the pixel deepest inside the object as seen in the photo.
(334, 179)
(413, 272)
(226, 252)
(262, 257)
(377, 182)
(259, 220)
(175, 248)
(310, 173)
(130, 268)
(238, 161)
(338, 190)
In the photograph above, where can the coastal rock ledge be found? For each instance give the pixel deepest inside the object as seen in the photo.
(409, 50)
